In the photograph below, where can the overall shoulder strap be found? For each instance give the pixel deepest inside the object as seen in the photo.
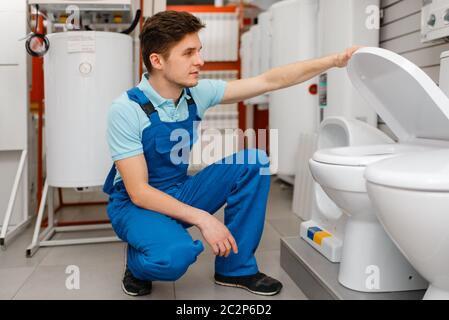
(136, 95)
(190, 100)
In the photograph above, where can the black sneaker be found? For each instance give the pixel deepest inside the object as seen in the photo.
(135, 287)
(258, 283)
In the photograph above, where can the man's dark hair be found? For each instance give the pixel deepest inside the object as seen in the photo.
(163, 30)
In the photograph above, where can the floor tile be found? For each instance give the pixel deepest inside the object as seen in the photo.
(271, 239)
(279, 200)
(12, 279)
(86, 255)
(14, 255)
(50, 282)
(286, 227)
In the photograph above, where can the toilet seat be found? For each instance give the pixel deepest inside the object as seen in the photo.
(427, 171)
(362, 156)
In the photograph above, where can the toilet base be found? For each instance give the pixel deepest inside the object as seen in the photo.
(371, 262)
(435, 293)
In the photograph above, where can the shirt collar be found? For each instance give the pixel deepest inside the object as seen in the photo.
(153, 95)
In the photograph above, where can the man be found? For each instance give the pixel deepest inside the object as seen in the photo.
(152, 199)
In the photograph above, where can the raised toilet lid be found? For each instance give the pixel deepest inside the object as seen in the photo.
(427, 171)
(405, 97)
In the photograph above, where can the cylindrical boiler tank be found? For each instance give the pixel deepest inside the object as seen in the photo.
(245, 56)
(342, 24)
(265, 31)
(84, 72)
(293, 111)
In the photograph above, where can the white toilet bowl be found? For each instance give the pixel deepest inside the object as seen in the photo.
(370, 262)
(417, 112)
(411, 195)
(334, 132)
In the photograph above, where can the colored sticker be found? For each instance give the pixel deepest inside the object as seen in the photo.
(311, 232)
(319, 236)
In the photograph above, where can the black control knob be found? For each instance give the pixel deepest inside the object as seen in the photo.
(432, 20)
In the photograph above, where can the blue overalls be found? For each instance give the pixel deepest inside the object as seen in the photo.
(160, 247)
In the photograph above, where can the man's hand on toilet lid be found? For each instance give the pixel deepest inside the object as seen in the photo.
(342, 59)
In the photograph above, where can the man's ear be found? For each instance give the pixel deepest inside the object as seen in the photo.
(156, 61)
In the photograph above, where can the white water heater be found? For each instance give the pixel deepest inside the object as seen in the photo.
(264, 21)
(84, 72)
(256, 59)
(293, 111)
(343, 24)
(245, 56)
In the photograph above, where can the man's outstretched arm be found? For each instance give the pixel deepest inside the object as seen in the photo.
(283, 77)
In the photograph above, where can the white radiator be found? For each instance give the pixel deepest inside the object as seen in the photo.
(220, 37)
(303, 188)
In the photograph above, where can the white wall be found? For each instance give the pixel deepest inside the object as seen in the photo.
(400, 32)
(14, 106)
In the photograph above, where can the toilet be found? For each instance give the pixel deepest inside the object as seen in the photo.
(411, 197)
(417, 112)
(324, 228)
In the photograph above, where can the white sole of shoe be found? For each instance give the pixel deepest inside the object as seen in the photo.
(127, 292)
(243, 287)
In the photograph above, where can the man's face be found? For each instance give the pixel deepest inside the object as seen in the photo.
(184, 62)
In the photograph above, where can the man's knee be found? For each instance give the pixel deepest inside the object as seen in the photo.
(176, 269)
(173, 263)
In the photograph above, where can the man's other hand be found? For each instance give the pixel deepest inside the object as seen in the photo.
(217, 235)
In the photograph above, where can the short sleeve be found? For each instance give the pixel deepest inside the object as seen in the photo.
(208, 93)
(123, 132)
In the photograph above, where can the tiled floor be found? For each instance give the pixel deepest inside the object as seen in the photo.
(45, 275)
